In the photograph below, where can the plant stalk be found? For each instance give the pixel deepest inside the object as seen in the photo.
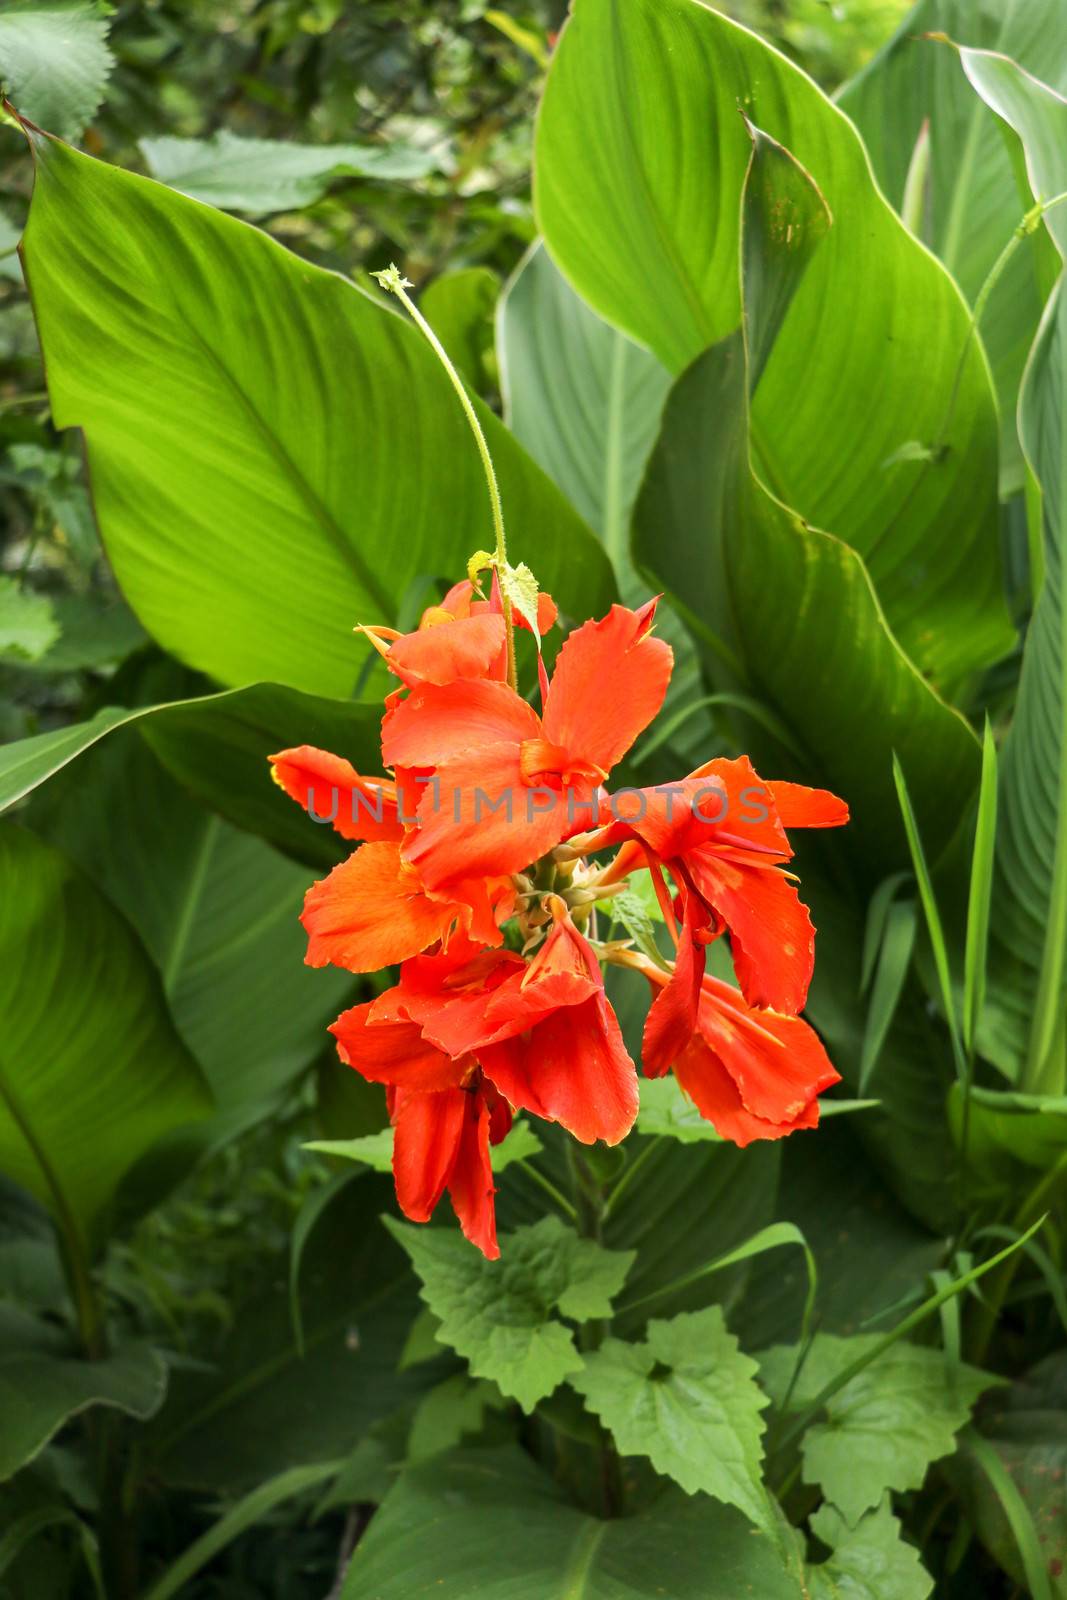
(392, 281)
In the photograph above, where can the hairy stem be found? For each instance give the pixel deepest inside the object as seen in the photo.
(391, 280)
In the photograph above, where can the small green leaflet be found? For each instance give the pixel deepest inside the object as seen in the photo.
(665, 1111)
(869, 1562)
(888, 1423)
(520, 586)
(260, 176)
(688, 1399)
(450, 1411)
(28, 627)
(376, 1149)
(637, 913)
(499, 1314)
(54, 61)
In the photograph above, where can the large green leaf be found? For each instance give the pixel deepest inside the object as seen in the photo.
(686, 1398)
(54, 60)
(972, 197)
(92, 1072)
(263, 175)
(790, 610)
(1024, 1029)
(276, 455)
(586, 401)
(858, 422)
(582, 398)
(217, 910)
(217, 745)
(488, 1524)
(44, 1381)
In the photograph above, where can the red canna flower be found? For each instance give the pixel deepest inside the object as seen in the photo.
(445, 1116)
(465, 836)
(721, 832)
(509, 785)
(544, 1030)
(753, 1074)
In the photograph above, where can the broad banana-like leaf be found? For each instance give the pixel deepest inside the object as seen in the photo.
(92, 1071)
(276, 455)
(875, 415)
(1025, 1025)
(789, 609)
(939, 150)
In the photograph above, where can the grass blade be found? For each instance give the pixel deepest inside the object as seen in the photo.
(933, 916)
(981, 893)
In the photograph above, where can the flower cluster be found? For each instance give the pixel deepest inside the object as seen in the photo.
(479, 871)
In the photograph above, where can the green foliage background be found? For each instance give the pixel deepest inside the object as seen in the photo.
(220, 1375)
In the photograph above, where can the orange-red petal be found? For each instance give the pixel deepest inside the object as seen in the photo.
(609, 681)
(704, 1078)
(470, 1183)
(778, 1063)
(481, 818)
(393, 1051)
(331, 790)
(801, 807)
(437, 722)
(672, 1016)
(571, 1068)
(463, 648)
(371, 912)
(771, 933)
(426, 1143)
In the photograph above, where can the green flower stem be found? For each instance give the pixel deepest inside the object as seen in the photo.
(591, 1213)
(392, 281)
(550, 1189)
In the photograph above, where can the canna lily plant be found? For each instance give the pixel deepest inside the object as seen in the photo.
(479, 869)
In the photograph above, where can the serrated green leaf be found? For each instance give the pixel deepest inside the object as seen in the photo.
(666, 1111)
(634, 910)
(54, 61)
(520, 586)
(376, 1149)
(448, 1413)
(688, 1399)
(869, 1562)
(499, 1314)
(885, 1426)
(28, 626)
